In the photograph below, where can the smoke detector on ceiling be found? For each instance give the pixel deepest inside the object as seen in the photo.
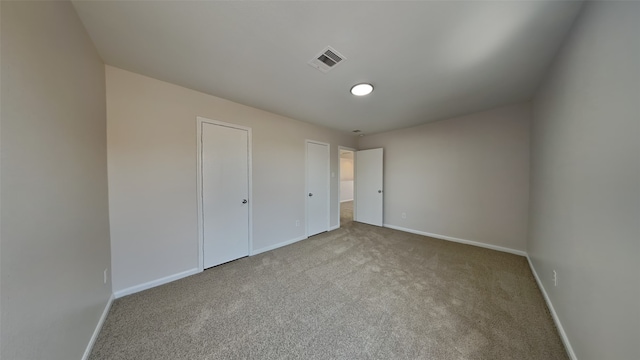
(327, 59)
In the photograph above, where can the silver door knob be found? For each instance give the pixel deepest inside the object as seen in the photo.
(244, 201)
(379, 191)
(310, 194)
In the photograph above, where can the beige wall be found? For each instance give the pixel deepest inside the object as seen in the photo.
(55, 226)
(346, 176)
(346, 169)
(152, 174)
(585, 200)
(465, 178)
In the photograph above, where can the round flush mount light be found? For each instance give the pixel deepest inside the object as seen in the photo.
(362, 89)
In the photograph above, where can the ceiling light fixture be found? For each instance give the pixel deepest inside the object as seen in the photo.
(362, 89)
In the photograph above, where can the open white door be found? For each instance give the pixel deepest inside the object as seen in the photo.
(317, 187)
(368, 199)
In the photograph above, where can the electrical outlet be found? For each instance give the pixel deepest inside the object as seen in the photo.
(404, 215)
(297, 222)
(555, 278)
(106, 276)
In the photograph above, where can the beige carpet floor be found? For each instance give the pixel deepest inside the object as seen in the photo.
(359, 292)
(346, 213)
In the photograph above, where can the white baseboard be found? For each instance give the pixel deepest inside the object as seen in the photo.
(334, 227)
(341, 201)
(154, 283)
(278, 245)
(462, 241)
(96, 331)
(556, 319)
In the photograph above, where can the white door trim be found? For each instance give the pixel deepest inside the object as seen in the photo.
(340, 186)
(306, 185)
(199, 121)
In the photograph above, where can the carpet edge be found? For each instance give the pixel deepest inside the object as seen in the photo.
(153, 283)
(278, 245)
(462, 241)
(554, 315)
(98, 328)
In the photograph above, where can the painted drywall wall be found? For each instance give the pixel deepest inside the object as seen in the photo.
(346, 176)
(346, 190)
(346, 168)
(585, 177)
(55, 226)
(465, 178)
(152, 174)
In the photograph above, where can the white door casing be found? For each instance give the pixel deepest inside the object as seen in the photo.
(318, 187)
(224, 184)
(368, 206)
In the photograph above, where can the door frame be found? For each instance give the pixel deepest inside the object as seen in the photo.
(354, 181)
(199, 123)
(306, 184)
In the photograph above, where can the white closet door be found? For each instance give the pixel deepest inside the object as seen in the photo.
(225, 194)
(317, 188)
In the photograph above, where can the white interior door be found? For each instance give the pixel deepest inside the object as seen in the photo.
(225, 193)
(368, 201)
(317, 188)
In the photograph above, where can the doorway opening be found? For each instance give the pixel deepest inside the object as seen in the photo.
(346, 186)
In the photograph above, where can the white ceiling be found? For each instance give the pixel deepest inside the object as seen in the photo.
(427, 60)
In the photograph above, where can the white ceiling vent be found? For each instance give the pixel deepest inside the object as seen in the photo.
(327, 59)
